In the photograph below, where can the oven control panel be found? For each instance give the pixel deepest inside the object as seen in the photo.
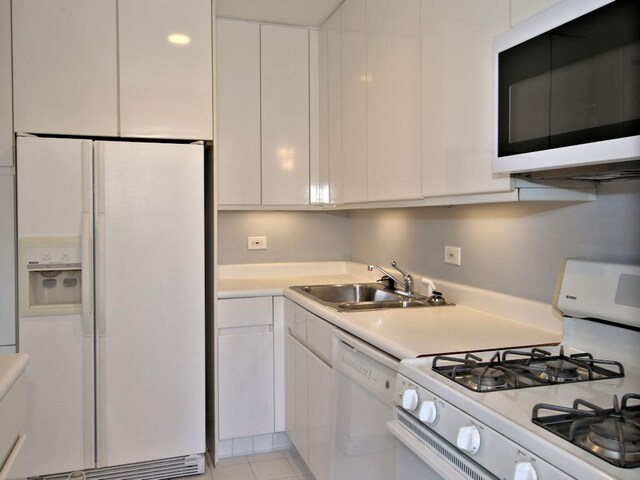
(497, 454)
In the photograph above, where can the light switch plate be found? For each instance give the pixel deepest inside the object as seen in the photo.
(257, 243)
(452, 255)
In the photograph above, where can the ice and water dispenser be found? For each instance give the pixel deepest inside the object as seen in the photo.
(51, 275)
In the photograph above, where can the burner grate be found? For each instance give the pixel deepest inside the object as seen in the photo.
(521, 369)
(611, 434)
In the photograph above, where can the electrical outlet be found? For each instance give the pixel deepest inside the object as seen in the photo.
(452, 255)
(257, 243)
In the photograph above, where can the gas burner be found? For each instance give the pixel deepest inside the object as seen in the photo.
(605, 439)
(562, 370)
(611, 434)
(487, 378)
(521, 369)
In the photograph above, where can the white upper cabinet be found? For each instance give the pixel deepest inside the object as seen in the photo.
(238, 104)
(65, 67)
(334, 105)
(165, 68)
(67, 79)
(6, 109)
(393, 106)
(354, 101)
(457, 86)
(285, 115)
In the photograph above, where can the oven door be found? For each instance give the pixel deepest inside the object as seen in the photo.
(421, 453)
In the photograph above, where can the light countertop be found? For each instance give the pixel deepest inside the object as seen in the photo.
(11, 367)
(482, 320)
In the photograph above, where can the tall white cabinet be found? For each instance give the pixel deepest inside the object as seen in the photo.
(264, 112)
(285, 115)
(457, 81)
(140, 68)
(7, 189)
(354, 101)
(393, 112)
(238, 104)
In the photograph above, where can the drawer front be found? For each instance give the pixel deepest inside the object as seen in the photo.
(245, 312)
(320, 337)
(13, 418)
(295, 320)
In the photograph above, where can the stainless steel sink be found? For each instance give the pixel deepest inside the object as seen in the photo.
(359, 297)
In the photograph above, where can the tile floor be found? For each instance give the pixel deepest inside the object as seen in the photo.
(278, 465)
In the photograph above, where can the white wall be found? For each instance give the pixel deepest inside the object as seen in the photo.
(510, 248)
(291, 236)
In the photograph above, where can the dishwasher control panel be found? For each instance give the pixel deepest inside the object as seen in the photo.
(365, 370)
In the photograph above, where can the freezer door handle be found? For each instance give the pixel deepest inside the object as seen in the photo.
(101, 303)
(87, 238)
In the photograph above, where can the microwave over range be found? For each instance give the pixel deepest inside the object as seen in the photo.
(567, 89)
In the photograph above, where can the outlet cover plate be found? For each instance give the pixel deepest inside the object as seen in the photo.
(452, 255)
(257, 243)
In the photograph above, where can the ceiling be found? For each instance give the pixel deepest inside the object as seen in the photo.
(308, 13)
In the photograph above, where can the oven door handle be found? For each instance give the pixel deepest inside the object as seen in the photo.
(428, 456)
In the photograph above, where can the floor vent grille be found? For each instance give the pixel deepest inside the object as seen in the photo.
(153, 470)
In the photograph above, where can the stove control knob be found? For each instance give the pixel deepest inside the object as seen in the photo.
(525, 471)
(469, 439)
(409, 399)
(428, 412)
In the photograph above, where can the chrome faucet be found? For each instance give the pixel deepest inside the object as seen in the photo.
(407, 279)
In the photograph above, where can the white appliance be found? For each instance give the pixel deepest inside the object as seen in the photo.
(363, 380)
(471, 416)
(111, 294)
(567, 90)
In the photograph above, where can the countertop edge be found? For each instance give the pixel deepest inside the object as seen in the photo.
(12, 365)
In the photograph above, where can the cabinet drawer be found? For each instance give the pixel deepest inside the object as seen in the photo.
(245, 312)
(295, 320)
(320, 337)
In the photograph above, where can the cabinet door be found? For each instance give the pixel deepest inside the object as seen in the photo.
(285, 115)
(334, 108)
(6, 108)
(165, 57)
(245, 383)
(320, 418)
(354, 101)
(238, 104)
(65, 67)
(457, 78)
(297, 396)
(393, 108)
(7, 262)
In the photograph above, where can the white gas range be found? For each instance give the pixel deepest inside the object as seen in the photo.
(470, 416)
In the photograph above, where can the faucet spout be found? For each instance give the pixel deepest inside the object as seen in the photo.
(407, 279)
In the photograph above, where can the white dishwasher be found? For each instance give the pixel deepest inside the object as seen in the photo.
(364, 380)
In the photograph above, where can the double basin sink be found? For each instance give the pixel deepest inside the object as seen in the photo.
(364, 296)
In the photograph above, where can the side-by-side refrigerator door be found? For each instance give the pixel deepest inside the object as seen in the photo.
(149, 301)
(54, 198)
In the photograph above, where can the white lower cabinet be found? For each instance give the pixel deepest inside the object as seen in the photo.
(246, 367)
(320, 417)
(297, 396)
(7, 263)
(308, 385)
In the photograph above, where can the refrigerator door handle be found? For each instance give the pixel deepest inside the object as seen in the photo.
(87, 239)
(101, 303)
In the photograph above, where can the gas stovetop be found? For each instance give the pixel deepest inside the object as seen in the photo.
(612, 434)
(514, 369)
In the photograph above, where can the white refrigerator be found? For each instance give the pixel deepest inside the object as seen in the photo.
(111, 306)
